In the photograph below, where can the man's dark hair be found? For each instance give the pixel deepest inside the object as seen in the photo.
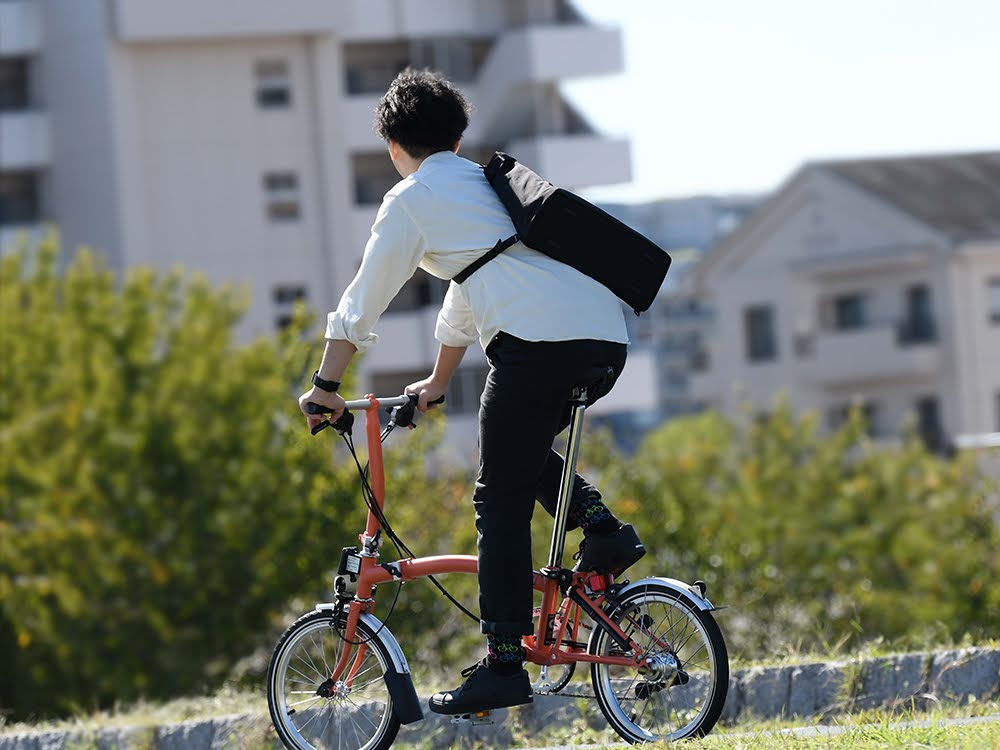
(422, 112)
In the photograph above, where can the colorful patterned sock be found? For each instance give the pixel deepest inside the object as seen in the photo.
(505, 653)
(593, 516)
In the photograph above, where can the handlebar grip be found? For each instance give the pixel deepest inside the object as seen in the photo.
(320, 427)
(414, 398)
(314, 408)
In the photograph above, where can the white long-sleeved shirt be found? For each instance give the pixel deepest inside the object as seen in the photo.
(442, 218)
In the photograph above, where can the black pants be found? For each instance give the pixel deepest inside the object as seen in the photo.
(523, 407)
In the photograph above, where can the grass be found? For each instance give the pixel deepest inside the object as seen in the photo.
(868, 730)
(970, 737)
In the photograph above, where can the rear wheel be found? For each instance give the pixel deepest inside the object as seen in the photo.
(682, 687)
(311, 712)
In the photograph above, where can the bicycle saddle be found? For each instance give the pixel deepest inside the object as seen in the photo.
(595, 376)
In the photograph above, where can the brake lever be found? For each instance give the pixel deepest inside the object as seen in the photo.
(404, 416)
(343, 425)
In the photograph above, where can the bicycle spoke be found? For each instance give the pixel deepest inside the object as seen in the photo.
(362, 713)
(305, 700)
(356, 728)
(326, 726)
(305, 677)
(355, 689)
(311, 662)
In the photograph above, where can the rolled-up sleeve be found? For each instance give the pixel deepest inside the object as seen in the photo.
(455, 324)
(391, 256)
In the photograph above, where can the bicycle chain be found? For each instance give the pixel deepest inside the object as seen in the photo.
(562, 694)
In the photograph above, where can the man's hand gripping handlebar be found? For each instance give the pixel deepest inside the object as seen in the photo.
(402, 416)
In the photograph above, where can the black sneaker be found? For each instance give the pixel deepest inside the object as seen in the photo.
(484, 690)
(610, 553)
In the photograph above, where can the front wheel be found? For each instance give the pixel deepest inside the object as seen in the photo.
(310, 711)
(682, 688)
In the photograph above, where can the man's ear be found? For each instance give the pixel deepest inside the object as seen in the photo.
(457, 144)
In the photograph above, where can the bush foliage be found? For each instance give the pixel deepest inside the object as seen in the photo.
(160, 495)
(815, 539)
(164, 510)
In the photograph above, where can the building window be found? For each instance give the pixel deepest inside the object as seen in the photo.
(929, 423)
(759, 328)
(282, 189)
(994, 300)
(837, 416)
(849, 312)
(19, 201)
(288, 295)
(918, 325)
(15, 89)
(285, 296)
(374, 176)
(466, 387)
(420, 290)
(274, 87)
(392, 383)
(371, 66)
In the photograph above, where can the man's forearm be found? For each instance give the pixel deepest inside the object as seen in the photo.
(447, 362)
(336, 357)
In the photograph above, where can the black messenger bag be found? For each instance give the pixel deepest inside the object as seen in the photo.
(568, 228)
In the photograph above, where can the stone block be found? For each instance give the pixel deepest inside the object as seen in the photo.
(815, 689)
(18, 742)
(765, 691)
(891, 680)
(57, 740)
(734, 699)
(184, 736)
(959, 674)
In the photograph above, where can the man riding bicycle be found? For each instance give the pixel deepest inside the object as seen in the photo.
(544, 326)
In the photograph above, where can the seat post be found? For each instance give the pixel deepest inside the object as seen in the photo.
(578, 405)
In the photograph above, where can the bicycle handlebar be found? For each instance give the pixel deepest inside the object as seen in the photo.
(403, 409)
(363, 403)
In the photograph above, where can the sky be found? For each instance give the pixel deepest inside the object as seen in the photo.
(732, 96)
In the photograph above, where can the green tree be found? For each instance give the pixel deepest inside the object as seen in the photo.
(161, 498)
(813, 538)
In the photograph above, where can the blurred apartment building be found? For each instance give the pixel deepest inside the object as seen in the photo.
(874, 282)
(235, 137)
(672, 332)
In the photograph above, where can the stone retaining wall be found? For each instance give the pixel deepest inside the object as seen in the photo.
(802, 690)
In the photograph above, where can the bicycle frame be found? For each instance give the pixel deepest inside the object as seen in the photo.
(548, 645)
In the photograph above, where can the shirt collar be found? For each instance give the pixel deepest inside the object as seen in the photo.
(437, 156)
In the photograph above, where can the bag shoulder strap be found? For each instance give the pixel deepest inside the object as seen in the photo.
(481, 261)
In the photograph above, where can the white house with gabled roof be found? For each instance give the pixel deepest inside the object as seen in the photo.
(872, 281)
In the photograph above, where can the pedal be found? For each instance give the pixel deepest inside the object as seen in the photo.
(477, 719)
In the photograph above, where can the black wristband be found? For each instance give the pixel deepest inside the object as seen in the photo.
(330, 386)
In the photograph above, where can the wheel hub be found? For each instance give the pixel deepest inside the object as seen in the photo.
(659, 667)
(331, 689)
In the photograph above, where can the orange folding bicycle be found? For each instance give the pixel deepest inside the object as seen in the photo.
(339, 679)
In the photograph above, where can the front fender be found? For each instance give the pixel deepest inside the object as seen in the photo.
(397, 679)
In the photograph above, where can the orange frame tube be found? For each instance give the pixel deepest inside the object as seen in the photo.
(372, 574)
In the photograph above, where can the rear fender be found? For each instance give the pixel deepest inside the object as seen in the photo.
(689, 592)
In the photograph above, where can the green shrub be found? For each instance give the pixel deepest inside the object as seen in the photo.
(815, 539)
(161, 497)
